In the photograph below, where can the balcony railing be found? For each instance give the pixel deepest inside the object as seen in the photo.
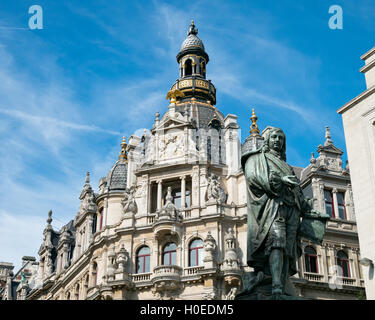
(141, 277)
(192, 270)
(316, 277)
(167, 270)
(348, 281)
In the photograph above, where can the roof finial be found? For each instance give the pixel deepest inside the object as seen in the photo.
(123, 154)
(254, 130)
(87, 180)
(192, 29)
(328, 137)
(49, 220)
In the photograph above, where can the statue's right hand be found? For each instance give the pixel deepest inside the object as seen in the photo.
(290, 180)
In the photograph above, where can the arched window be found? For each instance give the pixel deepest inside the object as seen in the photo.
(143, 260)
(188, 68)
(196, 253)
(169, 254)
(311, 260)
(343, 263)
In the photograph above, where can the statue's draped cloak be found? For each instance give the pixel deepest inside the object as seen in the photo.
(263, 203)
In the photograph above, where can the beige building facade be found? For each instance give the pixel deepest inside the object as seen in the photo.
(169, 219)
(358, 117)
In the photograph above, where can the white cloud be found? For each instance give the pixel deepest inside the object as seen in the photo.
(20, 236)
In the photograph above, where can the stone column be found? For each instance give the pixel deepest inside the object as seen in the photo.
(155, 255)
(335, 203)
(183, 191)
(159, 194)
(149, 196)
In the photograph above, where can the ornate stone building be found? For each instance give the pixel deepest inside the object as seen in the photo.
(169, 219)
(358, 116)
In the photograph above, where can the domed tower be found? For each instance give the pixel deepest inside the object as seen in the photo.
(192, 93)
(192, 60)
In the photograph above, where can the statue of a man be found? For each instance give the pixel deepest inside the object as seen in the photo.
(275, 205)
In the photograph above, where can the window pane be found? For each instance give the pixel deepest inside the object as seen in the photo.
(193, 258)
(173, 257)
(166, 259)
(147, 263)
(170, 247)
(340, 197)
(187, 199)
(342, 255)
(329, 209)
(177, 202)
(144, 250)
(313, 263)
(140, 265)
(342, 212)
(307, 264)
(345, 269)
(327, 195)
(200, 256)
(196, 243)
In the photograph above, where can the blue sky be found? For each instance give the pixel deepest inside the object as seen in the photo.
(101, 69)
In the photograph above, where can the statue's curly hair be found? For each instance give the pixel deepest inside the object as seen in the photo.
(266, 147)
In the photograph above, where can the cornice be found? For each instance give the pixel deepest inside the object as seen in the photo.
(356, 100)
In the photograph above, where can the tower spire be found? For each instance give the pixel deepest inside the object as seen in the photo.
(254, 130)
(123, 154)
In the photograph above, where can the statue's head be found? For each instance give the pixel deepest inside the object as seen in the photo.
(275, 140)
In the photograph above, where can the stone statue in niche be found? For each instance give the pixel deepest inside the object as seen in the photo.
(275, 207)
(129, 205)
(215, 192)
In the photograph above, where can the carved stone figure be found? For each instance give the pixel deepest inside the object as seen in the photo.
(215, 192)
(169, 211)
(274, 208)
(231, 294)
(121, 259)
(128, 202)
(231, 261)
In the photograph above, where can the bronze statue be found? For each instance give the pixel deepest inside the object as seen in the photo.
(275, 206)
